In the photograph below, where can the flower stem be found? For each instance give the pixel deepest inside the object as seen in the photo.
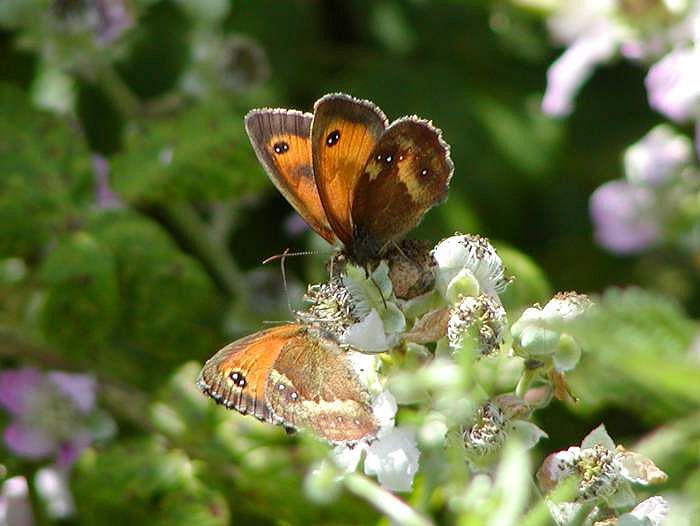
(525, 381)
(215, 256)
(397, 510)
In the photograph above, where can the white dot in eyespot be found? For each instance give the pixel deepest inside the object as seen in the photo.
(294, 396)
(389, 158)
(280, 387)
(379, 157)
(400, 157)
(424, 172)
(357, 422)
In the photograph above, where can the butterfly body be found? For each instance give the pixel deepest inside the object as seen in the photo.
(352, 176)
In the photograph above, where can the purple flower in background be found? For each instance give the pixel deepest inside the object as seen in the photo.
(112, 20)
(658, 157)
(623, 217)
(570, 71)
(53, 414)
(587, 27)
(104, 196)
(673, 85)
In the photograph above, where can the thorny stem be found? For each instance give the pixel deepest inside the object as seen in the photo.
(214, 254)
(384, 501)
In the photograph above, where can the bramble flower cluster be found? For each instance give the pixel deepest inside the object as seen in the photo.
(603, 474)
(450, 327)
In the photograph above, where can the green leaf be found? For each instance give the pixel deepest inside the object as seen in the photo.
(201, 153)
(81, 300)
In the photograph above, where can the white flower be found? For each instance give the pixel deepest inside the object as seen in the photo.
(673, 84)
(660, 155)
(604, 472)
(330, 307)
(468, 265)
(496, 420)
(392, 457)
(540, 333)
(381, 322)
(481, 320)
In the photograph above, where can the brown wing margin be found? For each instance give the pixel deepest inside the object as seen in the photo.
(281, 140)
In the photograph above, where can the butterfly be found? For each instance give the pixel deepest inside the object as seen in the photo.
(293, 376)
(351, 175)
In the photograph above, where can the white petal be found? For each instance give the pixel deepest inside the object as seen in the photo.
(366, 367)
(368, 335)
(598, 436)
(15, 505)
(348, 457)
(654, 509)
(528, 433)
(556, 467)
(384, 409)
(638, 468)
(393, 458)
(52, 487)
(568, 354)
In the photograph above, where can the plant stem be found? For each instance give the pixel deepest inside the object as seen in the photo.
(114, 86)
(215, 256)
(525, 381)
(397, 510)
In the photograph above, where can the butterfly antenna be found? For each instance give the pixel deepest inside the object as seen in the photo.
(282, 258)
(287, 253)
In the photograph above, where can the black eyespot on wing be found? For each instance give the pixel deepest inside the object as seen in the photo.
(281, 147)
(333, 138)
(238, 379)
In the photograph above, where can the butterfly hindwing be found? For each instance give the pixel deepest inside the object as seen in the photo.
(344, 132)
(281, 140)
(312, 386)
(407, 173)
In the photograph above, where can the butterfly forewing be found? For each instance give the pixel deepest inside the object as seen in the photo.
(282, 143)
(236, 376)
(343, 134)
(407, 173)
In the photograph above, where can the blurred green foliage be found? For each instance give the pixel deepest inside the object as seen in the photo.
(135, 293)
